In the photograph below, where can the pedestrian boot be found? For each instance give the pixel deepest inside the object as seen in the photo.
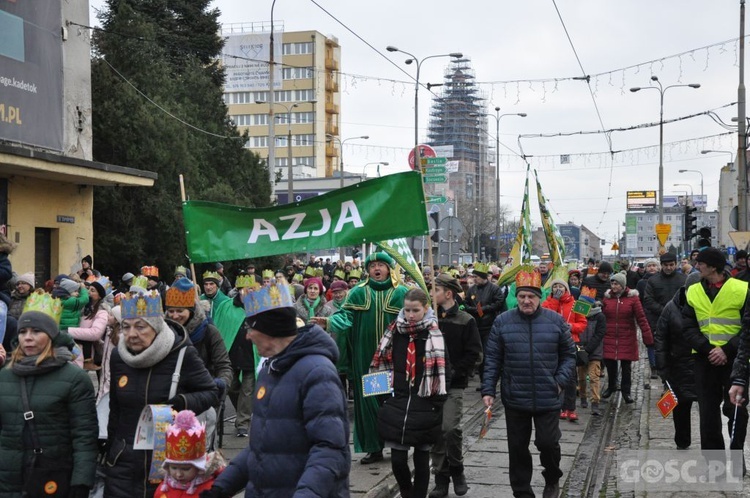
(627, 398)
(572, 416)
(608, 392)
(459, 481)
(584, 403)
(373, 457)
(405, 492)
(441, 486)
(551, 490)
(564, 414)
(595, 409)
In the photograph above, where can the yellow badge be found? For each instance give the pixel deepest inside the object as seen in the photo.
(50, 487)
(123, 381)
(261, 392)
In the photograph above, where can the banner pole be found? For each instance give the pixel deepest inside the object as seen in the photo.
(418, 167)
(192, 266)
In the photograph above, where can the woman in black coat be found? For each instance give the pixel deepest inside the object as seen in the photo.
(413, 350)
(141, 374)
(676, 364)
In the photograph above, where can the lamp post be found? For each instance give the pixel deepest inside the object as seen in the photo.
(662, 89)
(685, 185)
(379, 163)
(330, 138)
(731, 155)
(696, 171)
(412, 59)
(290, 171)
(271, 101)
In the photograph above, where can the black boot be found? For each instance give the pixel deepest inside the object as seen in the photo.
(459, 482)
(441, 486)
(373, 457)
(609, 391)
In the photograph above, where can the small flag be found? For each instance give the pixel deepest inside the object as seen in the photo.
(377, 383)
(667, 402)
(582, 308)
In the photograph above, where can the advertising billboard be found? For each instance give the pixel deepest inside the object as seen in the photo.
(246, 60)
(675, 201)
(31, 73)
(641, 199)
(571, 236)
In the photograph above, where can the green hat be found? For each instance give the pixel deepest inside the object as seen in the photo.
(380, 256)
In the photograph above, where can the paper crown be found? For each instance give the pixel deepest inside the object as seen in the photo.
(299, 278)
(140, 305)
(181, 270)
(588, 294)
(453, 272)
(340, 273)
(267, 273)
(181, 294)
(246, 282)
(309, 272)
(44, 303)
(355, 273)
(186, 439)
(106, 284)
(319, 272)
(140, 281)
(266, 298)
(528, 276)
(211, 276)
(150, 271)
(481, 267)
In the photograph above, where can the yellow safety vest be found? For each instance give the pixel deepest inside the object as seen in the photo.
(719, 320)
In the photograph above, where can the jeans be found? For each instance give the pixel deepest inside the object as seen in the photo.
(547, 427)
(593, 370)
(447, 452)
(241, 395)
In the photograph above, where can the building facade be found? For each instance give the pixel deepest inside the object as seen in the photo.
(306, 101)
(640, 233)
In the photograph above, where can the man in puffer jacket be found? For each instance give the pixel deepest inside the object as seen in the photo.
(533, 350)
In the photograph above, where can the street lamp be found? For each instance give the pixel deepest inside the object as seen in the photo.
(413, 58)
(333, 138)
(685, 185)
(696, 171)
(379, 163)
(662, 89)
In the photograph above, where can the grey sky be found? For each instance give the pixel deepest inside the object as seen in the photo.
(525, 41)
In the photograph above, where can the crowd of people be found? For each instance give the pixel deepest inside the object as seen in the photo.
(290, 347)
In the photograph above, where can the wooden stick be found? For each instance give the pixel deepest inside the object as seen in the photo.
(192, 266)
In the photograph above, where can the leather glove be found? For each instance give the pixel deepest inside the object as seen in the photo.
(221, 386)
(214, 492)
(178, 403)
(79, 491)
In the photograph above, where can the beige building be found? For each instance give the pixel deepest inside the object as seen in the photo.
(308, 94)
(46, 186)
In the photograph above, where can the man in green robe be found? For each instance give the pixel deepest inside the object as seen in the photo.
(358, 327)
(211, 291)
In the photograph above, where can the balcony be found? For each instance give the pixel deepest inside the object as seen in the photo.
(332, 129)
(332, 64)
(332, 85)
(332, 108)
(331, 151)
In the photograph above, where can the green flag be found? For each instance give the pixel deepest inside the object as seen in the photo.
(552, 234)
(399, 250)
(520, 254)
(384, 208)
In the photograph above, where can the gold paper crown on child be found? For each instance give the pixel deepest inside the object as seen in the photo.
(340, 273)
(267, 273)
(141, 305)
(319, 272)
(299, 278)
(588, 294)
(211, 275)
(106, 284)
(185, 443)
(181, 270)
(355, 273)
(266, 298)
(528, 276)
(181, 294)
(246, 282)
(482, 267)
(150, 271)
(44, 303)
(140, 281)
(309, 272)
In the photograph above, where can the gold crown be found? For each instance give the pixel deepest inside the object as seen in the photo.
(309, 272)
(528, 276)
(181, 270)
(319, 272)
(141, 305)
(267, 273)
(299, 278)
(588, 293)
(340, 273)
(211, 275)
(150, 271)
(181, 294)
(482, 267)
(140, 281)
(355, 273)
(246, 282)
(266, 298)
(44, 303)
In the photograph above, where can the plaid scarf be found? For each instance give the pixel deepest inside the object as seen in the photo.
(433, 379)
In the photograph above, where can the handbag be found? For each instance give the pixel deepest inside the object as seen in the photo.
(582, 357)
(45, 477)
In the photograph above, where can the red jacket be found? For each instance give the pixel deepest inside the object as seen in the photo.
(564, 307)
(182, 493)
(623, 313)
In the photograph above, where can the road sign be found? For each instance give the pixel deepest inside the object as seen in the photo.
(434, 170)
(662, 232)
(437, 199)
(434, 160)
(435, 179)
(424, 151)
(740, 239)
(615, 247)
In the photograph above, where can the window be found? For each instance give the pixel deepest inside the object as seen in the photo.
(260, 119)
(303, 117)
(296, 161)
(297, 73)
(297, 48)
(669, 217)
(240, 98)
(303, 140)
(258, 142)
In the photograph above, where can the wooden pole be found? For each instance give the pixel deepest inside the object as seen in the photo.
(192, 266)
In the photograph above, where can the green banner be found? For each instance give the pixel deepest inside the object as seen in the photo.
(384, 208)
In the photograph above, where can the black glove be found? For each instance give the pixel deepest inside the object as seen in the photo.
(214, 492)
(79, 491)
(221, 386)
(178, 403)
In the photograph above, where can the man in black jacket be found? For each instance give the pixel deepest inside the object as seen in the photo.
(600, 281)
(464, 348)
(484, 301)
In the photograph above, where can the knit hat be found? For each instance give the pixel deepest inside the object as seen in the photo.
(40, 321)
(712, 257)
(87, 259)
(561, 282)
(99, 289)
(651, 261)
(42, 312)
(128, 277)
(276, 322)
(449, 282)
(339, 285)
(667, 257)
(741, 254)
(69, 285)
(605, 267)
(620, 279)
(186, 441)
(181, 294)
(27, 278)
(59, 278)
(315, 280)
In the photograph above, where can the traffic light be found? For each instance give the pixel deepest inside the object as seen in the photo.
(691, 223)
(435, 215)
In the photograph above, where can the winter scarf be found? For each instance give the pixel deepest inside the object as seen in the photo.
(27, 366)
(189, 487)
(433, 379)
(311, 306)
(157, 351)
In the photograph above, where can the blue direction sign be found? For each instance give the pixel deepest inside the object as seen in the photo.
(435, 178)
